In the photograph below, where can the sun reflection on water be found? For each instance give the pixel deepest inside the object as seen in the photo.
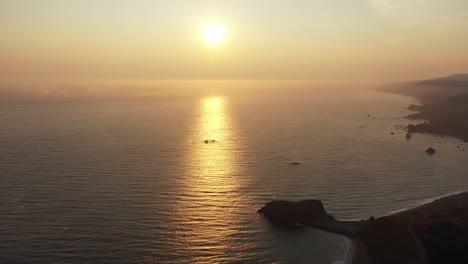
(208, 205)
(214, 160)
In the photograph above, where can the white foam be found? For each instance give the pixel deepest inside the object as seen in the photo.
(420, 203)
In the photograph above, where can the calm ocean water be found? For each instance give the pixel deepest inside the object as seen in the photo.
(135, 182)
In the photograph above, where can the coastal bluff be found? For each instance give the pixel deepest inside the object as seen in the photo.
(433, 233)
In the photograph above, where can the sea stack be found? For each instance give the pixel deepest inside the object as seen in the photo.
(285, 212)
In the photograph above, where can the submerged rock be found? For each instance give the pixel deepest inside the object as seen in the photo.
(285, 212)
(430, 151)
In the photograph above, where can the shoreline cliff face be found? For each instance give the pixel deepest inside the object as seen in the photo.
(444, 105)
(433, 233)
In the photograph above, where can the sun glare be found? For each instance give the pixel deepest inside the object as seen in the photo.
(213, 102)
(214, 34)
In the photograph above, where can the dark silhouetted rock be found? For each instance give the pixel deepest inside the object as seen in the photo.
(285, 212)
(392, 133)
(295, 163)
(408, 135)
(431, 151)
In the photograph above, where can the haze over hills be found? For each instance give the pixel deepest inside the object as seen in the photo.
(444, 106)
(459, 80)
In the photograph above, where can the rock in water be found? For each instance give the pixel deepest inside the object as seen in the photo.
(285, 212)
(431, 151)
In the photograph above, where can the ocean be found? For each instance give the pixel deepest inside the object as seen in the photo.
(135, 182)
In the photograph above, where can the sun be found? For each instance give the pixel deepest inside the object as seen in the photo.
(214, 34)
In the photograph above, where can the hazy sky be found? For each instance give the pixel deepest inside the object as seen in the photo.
(375, 40)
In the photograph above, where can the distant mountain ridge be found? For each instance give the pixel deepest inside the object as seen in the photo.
(458, 80)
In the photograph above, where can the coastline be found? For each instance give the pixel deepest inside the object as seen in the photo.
(402, 237)
(442, 106)
(420, 203)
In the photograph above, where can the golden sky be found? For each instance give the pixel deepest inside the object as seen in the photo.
(340, 40)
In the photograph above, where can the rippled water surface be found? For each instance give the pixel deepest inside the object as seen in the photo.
(136, 183)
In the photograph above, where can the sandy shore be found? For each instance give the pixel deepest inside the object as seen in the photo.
(436, 232)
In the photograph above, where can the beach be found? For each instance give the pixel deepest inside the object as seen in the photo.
(423, 234)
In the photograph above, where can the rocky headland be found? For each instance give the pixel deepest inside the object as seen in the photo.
(443, 108)
(436, 232)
